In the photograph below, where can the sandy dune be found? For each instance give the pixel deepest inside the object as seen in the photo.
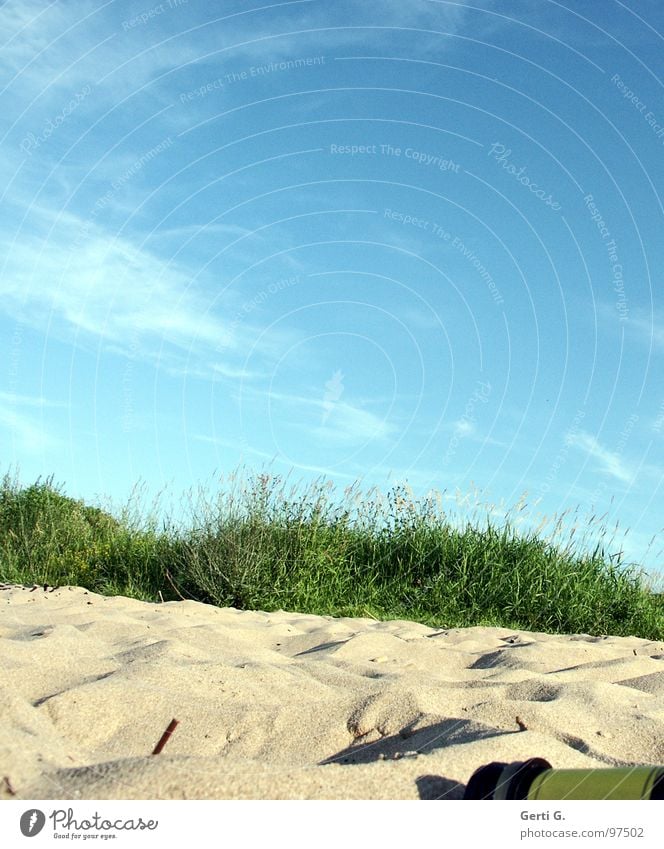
(284, 705)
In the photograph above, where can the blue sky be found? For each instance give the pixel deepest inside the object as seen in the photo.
(401, 241)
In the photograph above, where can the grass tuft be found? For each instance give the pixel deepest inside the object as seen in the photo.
(261, 545)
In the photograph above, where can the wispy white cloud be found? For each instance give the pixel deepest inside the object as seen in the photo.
(73, 280)
(48, 47)
(28, 28)
(106, 287)
(647, 328)
(49, 50)
(204, 228)
(242, 449)
(30, 436)
(238, 445)
(36, 35)
(422, 320)
(23, 426)
(29, 400)
(643, 326)
(609, 462)
(346, 422)
(200, 368)
(235, 373)
(463, 427)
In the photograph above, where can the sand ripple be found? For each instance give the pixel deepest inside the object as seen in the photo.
(284, 705)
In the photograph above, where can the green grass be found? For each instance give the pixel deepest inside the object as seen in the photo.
(260, 546)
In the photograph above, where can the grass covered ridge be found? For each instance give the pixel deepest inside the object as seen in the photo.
(260, 546)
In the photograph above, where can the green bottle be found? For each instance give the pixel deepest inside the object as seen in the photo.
(536, 779)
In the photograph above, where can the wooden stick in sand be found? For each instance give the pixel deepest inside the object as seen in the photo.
(164, 737)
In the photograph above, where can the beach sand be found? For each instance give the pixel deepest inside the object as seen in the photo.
(292, 706)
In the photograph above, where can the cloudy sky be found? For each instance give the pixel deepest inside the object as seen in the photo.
(407, 240)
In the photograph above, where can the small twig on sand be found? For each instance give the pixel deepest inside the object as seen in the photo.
(164, 737)
(8, 785)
